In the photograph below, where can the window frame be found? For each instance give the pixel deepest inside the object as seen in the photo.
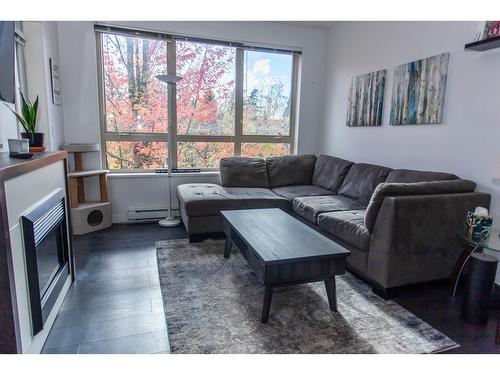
(237, 139)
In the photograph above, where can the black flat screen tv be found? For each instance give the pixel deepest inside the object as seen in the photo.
(7, 83)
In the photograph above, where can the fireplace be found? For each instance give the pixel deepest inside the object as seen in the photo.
(46, 253)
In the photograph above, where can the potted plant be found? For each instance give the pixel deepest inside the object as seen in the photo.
(27, 118)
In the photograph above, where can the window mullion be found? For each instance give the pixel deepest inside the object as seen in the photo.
(204, 138)
(238, 101)
(266, 139)
(100, 93)
(294, 100)
(134, 137)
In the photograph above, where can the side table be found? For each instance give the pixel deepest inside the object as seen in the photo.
(479, 288)
(470, 247)
(497, 340)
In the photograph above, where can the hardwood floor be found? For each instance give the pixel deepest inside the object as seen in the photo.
(432, 304)
(115, 304)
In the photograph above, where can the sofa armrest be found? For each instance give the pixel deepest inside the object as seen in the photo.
(415, 188)
(414, 237)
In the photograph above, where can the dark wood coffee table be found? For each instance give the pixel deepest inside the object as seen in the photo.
(283, 251)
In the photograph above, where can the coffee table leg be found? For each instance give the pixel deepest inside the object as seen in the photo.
(331, 293)
(268, 295)
(227, 247)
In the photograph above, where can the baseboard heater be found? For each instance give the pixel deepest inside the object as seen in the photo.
(148, 214)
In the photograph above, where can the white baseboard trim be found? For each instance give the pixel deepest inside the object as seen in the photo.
(123, 219)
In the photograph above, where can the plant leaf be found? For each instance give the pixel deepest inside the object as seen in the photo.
(35, 113)
(32, 115)
(20, 119)
(24, 108)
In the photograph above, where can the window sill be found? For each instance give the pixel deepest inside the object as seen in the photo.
(160, 175)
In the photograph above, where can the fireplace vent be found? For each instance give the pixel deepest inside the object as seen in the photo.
(48, 221)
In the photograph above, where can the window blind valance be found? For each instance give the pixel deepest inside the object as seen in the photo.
(105, 28)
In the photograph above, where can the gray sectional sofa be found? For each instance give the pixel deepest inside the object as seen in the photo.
(400, 225)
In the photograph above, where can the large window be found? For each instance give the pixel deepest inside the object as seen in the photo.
(230, 101)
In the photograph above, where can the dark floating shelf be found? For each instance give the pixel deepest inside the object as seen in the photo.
(484, 45)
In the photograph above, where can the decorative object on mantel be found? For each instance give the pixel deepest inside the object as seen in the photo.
(479, 31)
(27, 118)
(418, 91)
(19, 148)
(87, 216)
(487, 37)
(491, 29)
(366, 98)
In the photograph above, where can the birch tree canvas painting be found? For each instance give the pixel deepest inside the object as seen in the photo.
(366, 97)
(418, 91)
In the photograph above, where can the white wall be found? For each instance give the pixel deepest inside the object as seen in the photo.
(467, 144)
(81, 110)
(8, 125)
(42, 43)
(150, 191)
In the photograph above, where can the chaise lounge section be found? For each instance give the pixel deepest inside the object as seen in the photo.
(400, 225)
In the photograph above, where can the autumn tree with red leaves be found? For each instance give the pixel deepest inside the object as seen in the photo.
(136, 102)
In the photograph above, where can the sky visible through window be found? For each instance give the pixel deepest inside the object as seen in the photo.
(266, 97)
(263, 66)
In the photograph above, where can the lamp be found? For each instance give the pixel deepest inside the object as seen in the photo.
(170, 80)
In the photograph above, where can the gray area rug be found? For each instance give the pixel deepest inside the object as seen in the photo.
(213, 305)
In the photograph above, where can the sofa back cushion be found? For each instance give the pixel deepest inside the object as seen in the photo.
(290, 170)
(409, 176)
(362, 179)
(330, 172)
(417, 188)
(243, 172)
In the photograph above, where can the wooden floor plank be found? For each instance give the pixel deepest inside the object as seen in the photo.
(145, 343)
(91, 332)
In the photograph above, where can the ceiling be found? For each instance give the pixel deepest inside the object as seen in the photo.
(314, 24)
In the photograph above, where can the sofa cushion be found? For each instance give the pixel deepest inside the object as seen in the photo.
(291, 192)
(417, 188)
(362, 179)
(243, 172)
(330, 172)
(408, 176)
(310, 207)
(348, 226)
(290, 170)
(209, 199)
